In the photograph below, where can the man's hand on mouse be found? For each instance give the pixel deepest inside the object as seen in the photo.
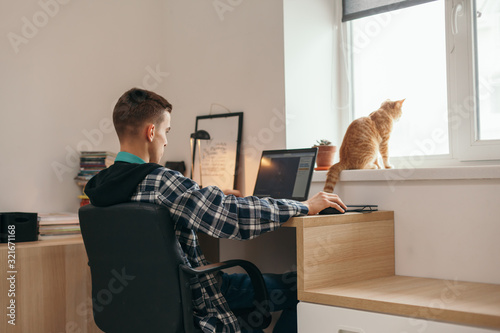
(323, 200)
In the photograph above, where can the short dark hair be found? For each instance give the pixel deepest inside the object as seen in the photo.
(137, 107)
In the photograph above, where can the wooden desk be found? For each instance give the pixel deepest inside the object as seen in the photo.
(343, 261)
(52, 287)
(348, 261)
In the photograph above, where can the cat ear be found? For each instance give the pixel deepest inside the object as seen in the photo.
(400, 102)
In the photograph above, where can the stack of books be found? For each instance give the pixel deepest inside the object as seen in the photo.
(55, 224)
(91, 162)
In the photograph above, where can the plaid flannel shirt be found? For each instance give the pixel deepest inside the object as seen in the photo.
(209, 211)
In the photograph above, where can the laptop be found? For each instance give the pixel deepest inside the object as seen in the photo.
(285, 174)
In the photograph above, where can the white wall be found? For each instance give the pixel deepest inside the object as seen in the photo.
(231, 56)
(67, 66)
(445, 229)
(72, 64)
(309, 46)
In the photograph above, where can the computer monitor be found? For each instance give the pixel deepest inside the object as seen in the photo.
(285, 174)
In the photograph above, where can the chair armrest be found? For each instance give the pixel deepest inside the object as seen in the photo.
(254, 273)
(210, 268)
(261, 298)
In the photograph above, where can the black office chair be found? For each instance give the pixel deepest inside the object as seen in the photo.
(139, 280)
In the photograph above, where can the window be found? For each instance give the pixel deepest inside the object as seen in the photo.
(488, 68)
(394, 60)
(443, 58)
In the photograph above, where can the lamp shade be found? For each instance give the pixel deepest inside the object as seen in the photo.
(200, 135)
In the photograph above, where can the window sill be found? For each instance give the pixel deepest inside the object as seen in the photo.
(443, 173)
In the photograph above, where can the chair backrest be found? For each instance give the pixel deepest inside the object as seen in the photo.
(134, 261)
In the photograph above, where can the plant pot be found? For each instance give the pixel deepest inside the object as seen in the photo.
(325, 157)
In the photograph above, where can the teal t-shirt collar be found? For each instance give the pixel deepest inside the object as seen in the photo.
(123, 156)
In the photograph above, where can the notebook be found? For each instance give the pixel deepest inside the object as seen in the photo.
(285, 174)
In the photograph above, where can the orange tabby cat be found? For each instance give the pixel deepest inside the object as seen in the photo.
(364, 138)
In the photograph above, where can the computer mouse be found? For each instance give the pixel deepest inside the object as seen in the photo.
(330, 211)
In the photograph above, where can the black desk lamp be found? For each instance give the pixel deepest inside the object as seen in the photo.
(195, 140)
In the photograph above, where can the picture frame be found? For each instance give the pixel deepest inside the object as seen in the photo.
(216, 160)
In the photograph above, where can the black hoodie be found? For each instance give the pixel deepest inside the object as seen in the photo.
(117, 183)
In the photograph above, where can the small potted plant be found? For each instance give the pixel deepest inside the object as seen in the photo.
(326, 152)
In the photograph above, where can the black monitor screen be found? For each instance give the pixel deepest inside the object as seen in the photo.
(285, 174)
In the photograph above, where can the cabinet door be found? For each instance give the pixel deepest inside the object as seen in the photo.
(329, 319)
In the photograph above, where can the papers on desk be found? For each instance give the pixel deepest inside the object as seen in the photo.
(58, 224)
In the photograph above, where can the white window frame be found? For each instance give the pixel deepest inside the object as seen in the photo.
(462, 98)
(465, 145)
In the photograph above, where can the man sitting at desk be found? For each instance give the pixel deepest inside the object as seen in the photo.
(142, 121)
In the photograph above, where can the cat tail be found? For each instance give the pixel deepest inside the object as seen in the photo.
(333, 176)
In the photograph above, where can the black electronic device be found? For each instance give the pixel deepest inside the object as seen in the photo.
(176, 166)
(18, 227)
(350, 209)
(285, 174)
(330, 211)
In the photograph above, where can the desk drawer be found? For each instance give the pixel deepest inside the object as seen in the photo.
(329, 319)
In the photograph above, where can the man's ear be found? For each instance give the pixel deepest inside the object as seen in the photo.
(150, 132)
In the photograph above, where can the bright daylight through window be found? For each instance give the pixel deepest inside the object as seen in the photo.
(488, 71)
(402, 54)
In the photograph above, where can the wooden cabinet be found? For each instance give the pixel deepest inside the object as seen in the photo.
(50, 287)
(347, 261)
